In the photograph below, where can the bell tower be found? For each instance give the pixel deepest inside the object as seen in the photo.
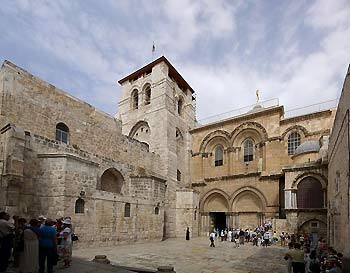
(157, 107)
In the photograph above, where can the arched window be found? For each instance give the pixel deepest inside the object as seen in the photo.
(135, 99)
(112, 181)
(180, 106)
(127, 210)
(219, 156)
(147, 94)
(248, 150)
(79, 205)
(293, 142)
(62, 133)
(309, 194)
(156, 211)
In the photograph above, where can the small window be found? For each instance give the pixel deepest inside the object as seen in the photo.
(178, 175)
(62, 133)
(147, 95)
(314, 224)
(127, 210)
(219, 156)
(156, 210)
(180, 106)
(293, 142)
(135, 99)
(337, 182)
(79, 205)
(195, 215)
(248, 150)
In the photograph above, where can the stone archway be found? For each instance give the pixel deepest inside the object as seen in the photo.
(214, 211)
(247, 208)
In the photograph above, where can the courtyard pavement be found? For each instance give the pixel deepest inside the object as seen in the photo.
(194, 256)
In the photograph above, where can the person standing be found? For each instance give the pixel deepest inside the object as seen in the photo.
(47, 246)
(29, 257)
(6, 239)
(266, 238)
(188, 234)
(212, 239)
(297, 257)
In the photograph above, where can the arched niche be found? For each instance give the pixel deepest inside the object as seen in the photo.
(214, 138)
(215, 202)
(310, 193)
(247, 201)
(112, 181)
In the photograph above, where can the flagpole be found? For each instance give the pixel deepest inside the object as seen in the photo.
(153, 51)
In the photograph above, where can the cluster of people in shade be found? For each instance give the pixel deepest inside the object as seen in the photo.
(306, 253)
(35, 245)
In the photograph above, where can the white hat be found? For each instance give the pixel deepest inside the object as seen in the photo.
(67, 222)
(42, 217)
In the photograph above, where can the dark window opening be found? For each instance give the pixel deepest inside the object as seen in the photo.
(127, 210)
(156, 211)
(219, 156)
(79, 205)
(178, 175)
(148, 95)
(135, 99)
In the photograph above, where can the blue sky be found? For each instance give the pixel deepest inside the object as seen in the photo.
(297, 51)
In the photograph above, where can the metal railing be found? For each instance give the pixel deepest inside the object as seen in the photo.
(237, 112)
(313, 108)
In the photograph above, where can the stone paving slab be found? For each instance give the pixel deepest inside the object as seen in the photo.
(194, 256)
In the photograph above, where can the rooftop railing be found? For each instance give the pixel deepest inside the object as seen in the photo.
(238, 112)
(313, 108)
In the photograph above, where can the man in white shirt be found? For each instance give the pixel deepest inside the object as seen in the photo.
(212, 238)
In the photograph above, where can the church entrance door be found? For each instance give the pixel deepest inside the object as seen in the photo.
(217, 220)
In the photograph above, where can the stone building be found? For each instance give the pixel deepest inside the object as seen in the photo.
(339, 173)
(259, 166)
(152, 171)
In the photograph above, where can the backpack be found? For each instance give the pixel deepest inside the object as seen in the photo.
(314, 266)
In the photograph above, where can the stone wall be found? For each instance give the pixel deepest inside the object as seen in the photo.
(339, 173)
(43, 176)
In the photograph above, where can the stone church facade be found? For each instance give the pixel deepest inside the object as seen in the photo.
(152, 170)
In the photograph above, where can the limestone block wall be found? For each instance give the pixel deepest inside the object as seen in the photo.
(37, 107)
(56, 175)
(339, 174)
(187, 212)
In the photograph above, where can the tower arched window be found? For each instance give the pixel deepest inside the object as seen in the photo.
(180, 106)
(79, 205)
(156, 210)
(147, 95)
(293, 142)
(248, 150)
(135, 99)
(62, 133)
(127, 210)
(310, 194)
(219, 156)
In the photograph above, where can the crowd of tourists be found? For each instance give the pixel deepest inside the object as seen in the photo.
(307, 253)
(260, 236)
(305, 257)
(28, 246)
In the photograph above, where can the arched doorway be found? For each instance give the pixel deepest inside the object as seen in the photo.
(315, 228)
(247, 209)
(215, 209)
